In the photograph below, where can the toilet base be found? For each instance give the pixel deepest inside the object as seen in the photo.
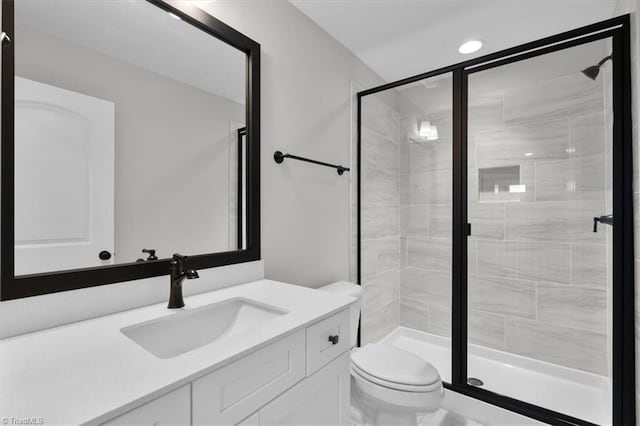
(369, 411)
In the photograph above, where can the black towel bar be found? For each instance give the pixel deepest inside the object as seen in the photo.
(279, 157)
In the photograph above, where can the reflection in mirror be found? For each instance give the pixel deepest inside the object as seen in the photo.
(238, 191)
(126, 136)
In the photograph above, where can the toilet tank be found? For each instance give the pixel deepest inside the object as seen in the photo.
(353, 290)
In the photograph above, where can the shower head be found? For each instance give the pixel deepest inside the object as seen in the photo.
(593, 71)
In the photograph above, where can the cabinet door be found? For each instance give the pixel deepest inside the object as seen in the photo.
(230, 394)
(322, 399)
(172, 409)
(321, 349)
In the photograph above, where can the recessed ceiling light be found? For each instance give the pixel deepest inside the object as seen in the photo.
(528, 154)
(174, 16)
(470, 47)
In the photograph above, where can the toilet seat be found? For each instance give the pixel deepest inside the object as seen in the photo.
(395, 386)
(395, 368)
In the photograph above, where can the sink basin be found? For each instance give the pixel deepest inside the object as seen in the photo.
(186, 330)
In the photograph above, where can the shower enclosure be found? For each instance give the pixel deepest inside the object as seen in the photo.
(487, 197)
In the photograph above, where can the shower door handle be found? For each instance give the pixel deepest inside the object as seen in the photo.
(5, 40)
(607, 220)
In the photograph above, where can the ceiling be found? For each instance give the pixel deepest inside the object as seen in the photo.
(144, 35)
(435, 92)
(401, 38)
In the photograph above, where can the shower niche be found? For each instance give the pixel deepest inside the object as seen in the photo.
(500, 184)
(477, 248)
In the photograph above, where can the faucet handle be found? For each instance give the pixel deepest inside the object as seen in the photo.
(151, 254)
(180, 258)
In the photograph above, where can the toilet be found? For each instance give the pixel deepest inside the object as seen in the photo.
(389, 386)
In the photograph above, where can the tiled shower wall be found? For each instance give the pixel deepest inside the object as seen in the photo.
(537, 272)
(425, 287)
(541, 271)
(380, 216)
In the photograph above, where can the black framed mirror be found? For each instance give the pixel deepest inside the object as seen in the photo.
(130, 131)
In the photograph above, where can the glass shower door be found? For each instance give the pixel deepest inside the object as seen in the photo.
(539, 177)
(406, 144)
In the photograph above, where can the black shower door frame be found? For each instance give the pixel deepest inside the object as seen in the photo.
(623, 321)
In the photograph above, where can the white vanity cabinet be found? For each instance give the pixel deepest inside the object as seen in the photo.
(326, 340)
(302, 378)
(315, 360)
(228, 395)
(283, 359)
(322, 399)
(174, 408)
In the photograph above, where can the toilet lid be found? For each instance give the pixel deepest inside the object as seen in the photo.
(395, 365)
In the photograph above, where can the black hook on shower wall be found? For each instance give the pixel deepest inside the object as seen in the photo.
(279, 157)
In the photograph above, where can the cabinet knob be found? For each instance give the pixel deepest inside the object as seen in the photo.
(104, 255)
(334, 339)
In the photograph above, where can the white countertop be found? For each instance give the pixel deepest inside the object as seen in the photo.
(89, 372)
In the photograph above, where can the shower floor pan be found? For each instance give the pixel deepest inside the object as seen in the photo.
(573, 392)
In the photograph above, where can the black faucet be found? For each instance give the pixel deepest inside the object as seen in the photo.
(151, 255)
(178, 274)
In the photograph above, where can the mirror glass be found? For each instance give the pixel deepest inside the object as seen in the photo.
(129, 136)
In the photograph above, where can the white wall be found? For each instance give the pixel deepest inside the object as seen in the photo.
(306, 78)
(172, 143)
(305, 86)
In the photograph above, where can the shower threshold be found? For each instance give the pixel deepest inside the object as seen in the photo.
(576, 393)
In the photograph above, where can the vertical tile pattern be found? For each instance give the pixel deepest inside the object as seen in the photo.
(383, 247)
(414, 314)
(425, 286)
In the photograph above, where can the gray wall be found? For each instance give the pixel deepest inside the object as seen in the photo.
(172, 142)
(306, 80)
